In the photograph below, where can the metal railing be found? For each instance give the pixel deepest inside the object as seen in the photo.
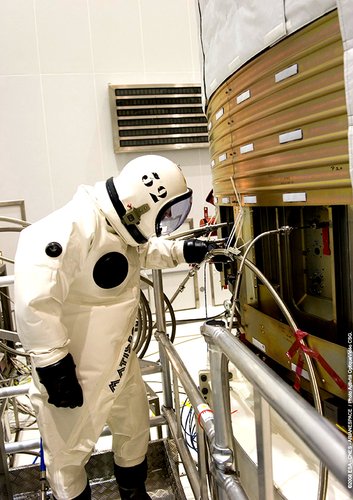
(215, 473)
(320, 435)
(323, 439)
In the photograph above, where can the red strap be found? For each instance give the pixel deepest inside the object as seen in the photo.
(207, 410)
(298, 345)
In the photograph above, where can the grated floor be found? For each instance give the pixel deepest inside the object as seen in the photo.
(163, 480)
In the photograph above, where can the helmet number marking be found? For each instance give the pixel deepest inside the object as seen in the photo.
(148, 181)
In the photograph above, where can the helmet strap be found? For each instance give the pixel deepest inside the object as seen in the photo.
(133, 215)
(120, 210)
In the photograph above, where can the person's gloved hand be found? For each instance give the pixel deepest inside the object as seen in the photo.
(61, 383)
(195, 250)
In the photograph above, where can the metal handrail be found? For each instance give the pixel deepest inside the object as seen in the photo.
(33, 444)
(6, 280)
(325, 441)
(323, 474)
(225, 476)
(221, 465)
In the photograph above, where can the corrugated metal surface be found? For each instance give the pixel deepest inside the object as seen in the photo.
(279, 125)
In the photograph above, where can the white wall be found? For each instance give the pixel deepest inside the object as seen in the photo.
(57, 58)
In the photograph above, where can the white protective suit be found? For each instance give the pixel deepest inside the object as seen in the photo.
(80, 296)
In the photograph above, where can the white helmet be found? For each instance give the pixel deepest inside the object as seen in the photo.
(151, 197)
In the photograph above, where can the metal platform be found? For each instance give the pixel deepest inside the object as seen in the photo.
(163, 480)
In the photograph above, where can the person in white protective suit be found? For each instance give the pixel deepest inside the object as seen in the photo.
(77, 286)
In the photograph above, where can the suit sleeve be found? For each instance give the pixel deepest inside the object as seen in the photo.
(160, 253)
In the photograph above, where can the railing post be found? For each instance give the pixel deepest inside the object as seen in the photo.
(161, 329)
(5, 484)
(223, 452)
(202, 454)
(227, 480)
(263, 447)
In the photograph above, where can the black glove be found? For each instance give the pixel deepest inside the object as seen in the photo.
(195, 250)
(61, 383)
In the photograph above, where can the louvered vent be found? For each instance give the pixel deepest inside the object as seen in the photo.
(151, 117)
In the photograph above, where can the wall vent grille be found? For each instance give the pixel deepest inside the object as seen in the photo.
(151, 117)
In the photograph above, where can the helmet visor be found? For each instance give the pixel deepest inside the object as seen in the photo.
(173, 214)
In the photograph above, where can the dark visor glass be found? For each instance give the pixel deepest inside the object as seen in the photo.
(173, 214)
